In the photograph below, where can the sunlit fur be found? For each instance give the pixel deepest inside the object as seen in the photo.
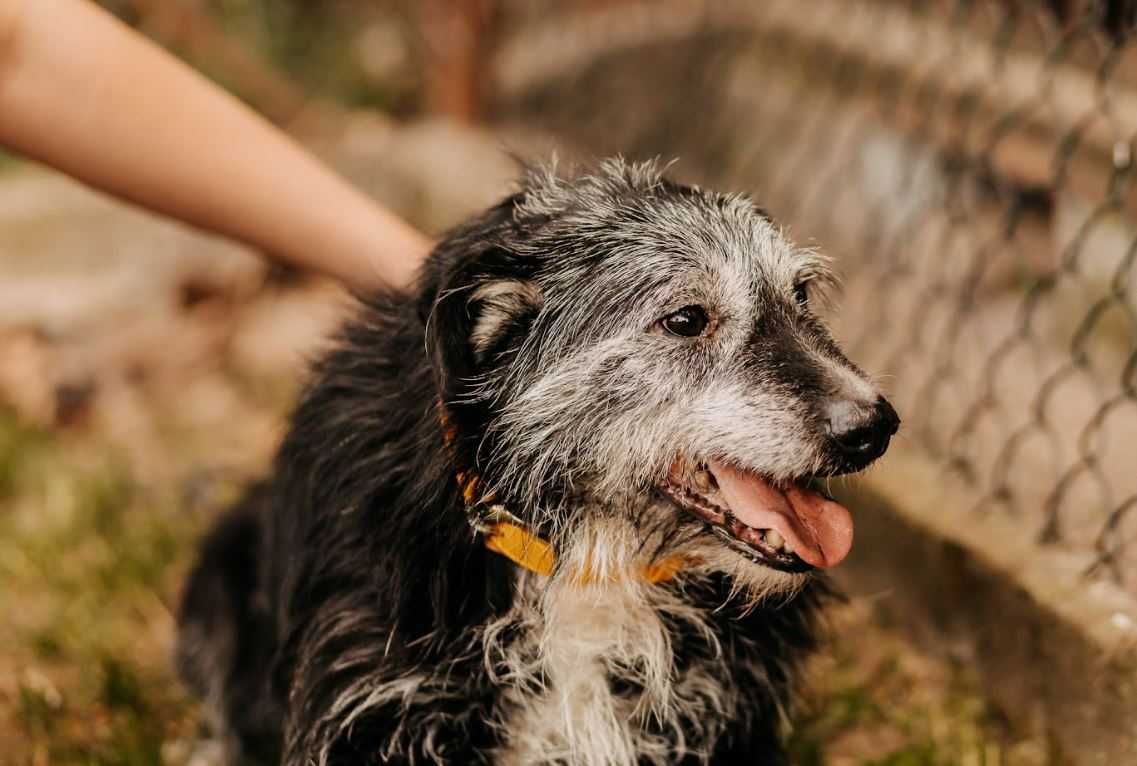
(346, 612)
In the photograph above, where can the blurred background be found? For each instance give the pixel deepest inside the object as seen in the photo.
(967, 163)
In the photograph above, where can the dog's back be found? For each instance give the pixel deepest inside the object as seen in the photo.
(328, 603)
(226, 640)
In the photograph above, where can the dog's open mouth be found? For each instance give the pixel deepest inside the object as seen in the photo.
(792, 528)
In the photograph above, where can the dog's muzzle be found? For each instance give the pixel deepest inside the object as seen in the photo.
(792, 526)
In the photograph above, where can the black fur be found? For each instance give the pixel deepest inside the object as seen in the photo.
(355, 563)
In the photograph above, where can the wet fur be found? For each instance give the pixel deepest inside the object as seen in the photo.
(346, 613)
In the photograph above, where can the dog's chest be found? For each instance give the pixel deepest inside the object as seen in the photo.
(596, 675)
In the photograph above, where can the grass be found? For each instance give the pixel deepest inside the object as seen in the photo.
(313, 45)
(878, 702)
(88, 564)
(91, 560)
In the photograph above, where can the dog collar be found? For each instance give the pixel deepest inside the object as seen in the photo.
(507, 535)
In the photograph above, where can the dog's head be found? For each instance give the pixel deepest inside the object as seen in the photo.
(620, 345)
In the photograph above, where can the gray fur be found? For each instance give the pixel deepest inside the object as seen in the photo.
(376, 624)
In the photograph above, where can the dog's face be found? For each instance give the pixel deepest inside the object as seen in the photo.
(622, 344)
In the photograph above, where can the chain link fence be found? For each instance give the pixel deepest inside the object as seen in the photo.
(969, 165)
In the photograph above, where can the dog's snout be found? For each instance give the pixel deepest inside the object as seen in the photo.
(861, 434)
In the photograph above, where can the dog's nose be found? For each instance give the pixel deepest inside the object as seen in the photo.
(862, 434)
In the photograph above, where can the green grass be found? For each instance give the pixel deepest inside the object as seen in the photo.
(879, 703)
(90, 564)
(87, 560)
(91, 560)
(310, 44)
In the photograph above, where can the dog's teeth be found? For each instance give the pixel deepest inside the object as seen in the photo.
(787, 546)
(773, 539)
(705, 481)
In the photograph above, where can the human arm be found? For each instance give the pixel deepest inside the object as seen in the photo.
(83, 93)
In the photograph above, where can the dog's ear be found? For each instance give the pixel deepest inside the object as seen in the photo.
(502, 309)
(479, 300)
(475, 322)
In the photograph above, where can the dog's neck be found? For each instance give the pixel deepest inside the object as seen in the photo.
(507, 535)
(592, 667)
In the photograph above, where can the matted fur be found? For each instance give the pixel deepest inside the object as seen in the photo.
(347, 613)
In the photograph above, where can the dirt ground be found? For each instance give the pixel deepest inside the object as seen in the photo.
(138, 393)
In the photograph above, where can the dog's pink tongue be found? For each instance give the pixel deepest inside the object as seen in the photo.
(820, 530)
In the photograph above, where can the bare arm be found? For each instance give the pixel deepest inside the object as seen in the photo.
(83, 93)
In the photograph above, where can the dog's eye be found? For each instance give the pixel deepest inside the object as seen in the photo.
(687, 322)
(801, 292)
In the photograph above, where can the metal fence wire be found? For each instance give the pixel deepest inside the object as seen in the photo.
(969, 165)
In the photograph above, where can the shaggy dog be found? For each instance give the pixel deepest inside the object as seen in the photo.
(556, 506)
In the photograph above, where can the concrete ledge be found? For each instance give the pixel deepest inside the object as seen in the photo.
(1056, 652)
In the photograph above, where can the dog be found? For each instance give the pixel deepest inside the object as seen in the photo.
(560, 504)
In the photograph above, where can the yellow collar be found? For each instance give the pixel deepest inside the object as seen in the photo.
(529, 551)
(506, 535)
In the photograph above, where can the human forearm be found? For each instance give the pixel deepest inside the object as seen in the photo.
(81, 92)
